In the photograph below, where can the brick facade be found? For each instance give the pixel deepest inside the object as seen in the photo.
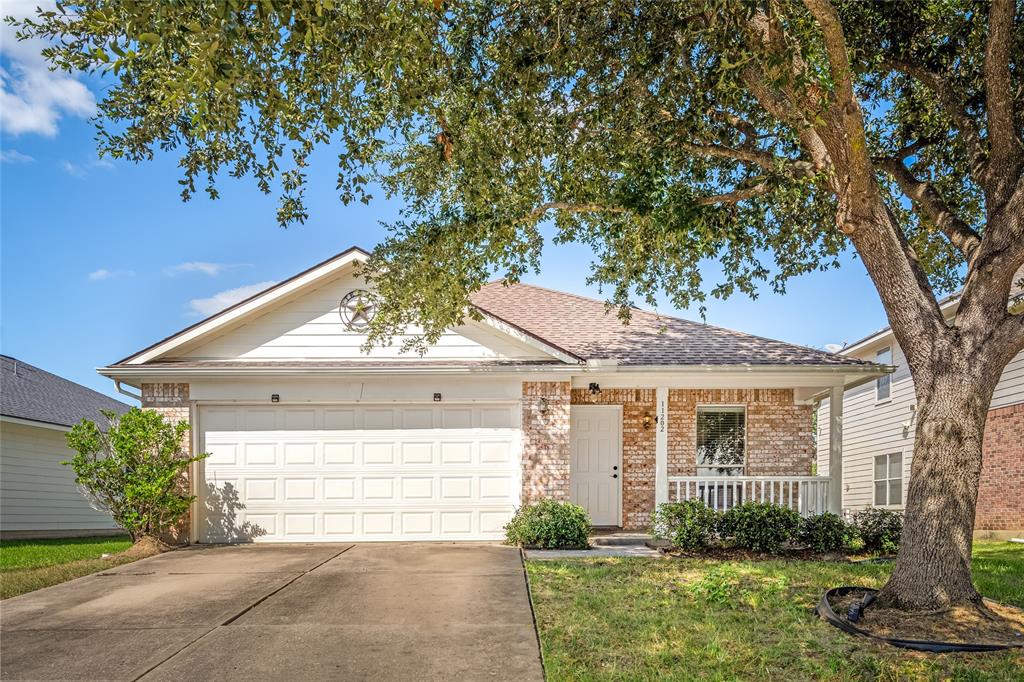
(172, 401)
(545, 440)
(1001, 490)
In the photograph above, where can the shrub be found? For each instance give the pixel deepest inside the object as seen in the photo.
(880, 529)
(687, 525)
(134, 470)
(824, 533)
(550, 525)
(760, 526)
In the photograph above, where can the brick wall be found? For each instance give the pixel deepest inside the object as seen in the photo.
(638, 466)
(172, 401)
(545, 440)
(1001, 491)
(779, 438)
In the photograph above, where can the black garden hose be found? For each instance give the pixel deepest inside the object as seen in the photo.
(824, 609)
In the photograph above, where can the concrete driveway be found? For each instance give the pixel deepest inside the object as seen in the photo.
(295, 612)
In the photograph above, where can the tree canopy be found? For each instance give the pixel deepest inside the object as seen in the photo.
(660, 133)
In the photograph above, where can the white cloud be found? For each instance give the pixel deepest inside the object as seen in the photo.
(32, 98)
(834, 347)
(221, 300)
(80, 170)
(104, 273)
(211, 269)
(14, 156)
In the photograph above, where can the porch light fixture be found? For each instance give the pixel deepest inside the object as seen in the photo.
(595, 388)
(275, 398)
(542, 406)
(647, 420)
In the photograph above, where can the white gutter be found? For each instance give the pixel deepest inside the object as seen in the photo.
(122, 391)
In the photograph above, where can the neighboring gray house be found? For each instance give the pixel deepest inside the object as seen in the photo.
(38, 495)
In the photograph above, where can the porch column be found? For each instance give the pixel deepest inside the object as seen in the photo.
(661, 446)
(835, 450)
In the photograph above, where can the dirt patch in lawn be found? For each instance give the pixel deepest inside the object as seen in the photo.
(992, 623)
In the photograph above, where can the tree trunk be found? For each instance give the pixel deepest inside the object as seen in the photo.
(933, 567)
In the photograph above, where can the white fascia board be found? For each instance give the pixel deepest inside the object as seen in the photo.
(528, 339)
(247, 307)
(33, 422)
(729, 376)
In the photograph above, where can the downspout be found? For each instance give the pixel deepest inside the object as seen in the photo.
(124, 391)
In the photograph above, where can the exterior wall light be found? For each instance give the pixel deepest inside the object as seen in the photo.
(647, 420)
(595, 388)
(542, 406)
(275, 398)
(437, 397)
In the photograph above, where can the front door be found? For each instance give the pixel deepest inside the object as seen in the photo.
(595, 474)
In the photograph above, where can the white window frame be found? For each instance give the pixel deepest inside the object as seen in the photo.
(696, 455)
(887, 377)
(888, 480)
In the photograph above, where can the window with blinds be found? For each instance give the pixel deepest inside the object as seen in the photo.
(721, 441)
(889, 480)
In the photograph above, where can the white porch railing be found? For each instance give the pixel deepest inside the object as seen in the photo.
(805, 494)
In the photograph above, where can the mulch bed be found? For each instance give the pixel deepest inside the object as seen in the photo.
(992, 623)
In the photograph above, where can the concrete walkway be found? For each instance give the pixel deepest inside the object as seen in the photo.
(283, 612)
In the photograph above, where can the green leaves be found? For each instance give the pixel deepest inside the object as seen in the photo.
(476, 114)
(135, 469)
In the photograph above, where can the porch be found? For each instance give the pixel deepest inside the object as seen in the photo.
(808, 495)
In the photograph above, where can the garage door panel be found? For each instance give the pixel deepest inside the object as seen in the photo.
(410, 481)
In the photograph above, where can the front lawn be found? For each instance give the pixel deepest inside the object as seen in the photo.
(633, 619)
(27, 565)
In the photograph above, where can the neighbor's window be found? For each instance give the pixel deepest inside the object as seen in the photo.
(889, 479)
(883, 383)
(721, 434)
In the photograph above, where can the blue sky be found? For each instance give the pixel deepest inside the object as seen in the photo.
(100, 259)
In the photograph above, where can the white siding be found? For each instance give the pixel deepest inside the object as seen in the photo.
(873, 428)
(309, 327)
(37, 492)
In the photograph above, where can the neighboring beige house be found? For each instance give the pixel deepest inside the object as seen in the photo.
(548, 395)
(38, 495)
(878, 430)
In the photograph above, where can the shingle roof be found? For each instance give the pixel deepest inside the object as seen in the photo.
(27, 392)
(586, 328)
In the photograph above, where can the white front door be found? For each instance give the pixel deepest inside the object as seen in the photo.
(595, 473)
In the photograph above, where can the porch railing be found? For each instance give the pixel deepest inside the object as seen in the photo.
(807, 495)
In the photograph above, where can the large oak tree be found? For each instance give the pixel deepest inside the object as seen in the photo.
(767, 134)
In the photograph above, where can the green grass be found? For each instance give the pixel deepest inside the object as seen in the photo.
(27, 565)
(685, 619)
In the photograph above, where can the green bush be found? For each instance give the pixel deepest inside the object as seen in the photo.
(687, 525)
(134, 470)
(760, 526)
(824, 533)
(549, 525)
(880, 529)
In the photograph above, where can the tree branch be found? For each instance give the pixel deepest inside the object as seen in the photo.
(1004, 146)
(764, 159)
(959, 233)
(953, 105)
(735, 196)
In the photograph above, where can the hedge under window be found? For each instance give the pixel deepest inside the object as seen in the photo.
(721, 436)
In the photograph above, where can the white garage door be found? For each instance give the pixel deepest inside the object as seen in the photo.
(337, 473)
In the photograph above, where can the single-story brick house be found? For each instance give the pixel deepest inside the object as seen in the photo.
(548, 395)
